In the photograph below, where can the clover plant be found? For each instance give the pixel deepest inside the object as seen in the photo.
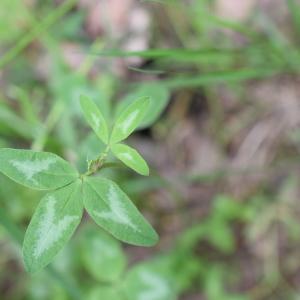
(60, 211)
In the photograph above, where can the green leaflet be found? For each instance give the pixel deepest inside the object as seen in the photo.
(159, 95)
(51, 226)
(129, 119)
(131, 158)
(94, 117)
(102, 254)
(36, 170)
(105, 292)
(111, 208)
(146, 281)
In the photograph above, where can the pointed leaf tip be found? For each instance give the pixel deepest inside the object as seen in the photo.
(111, 209)
(94, 118)
(36, 170)
(129, 119)
(131, 158)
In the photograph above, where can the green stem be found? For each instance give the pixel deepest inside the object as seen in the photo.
(96, 164)
(89, 60)
(53, 117)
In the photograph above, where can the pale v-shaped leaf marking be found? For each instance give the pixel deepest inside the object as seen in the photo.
(48, 231)
(30, 168)
(117, 212)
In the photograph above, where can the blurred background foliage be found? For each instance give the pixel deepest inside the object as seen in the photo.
(222, 140)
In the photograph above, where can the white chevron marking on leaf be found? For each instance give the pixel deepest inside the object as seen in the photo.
(30, 168)
(117, 212)
(50, 232)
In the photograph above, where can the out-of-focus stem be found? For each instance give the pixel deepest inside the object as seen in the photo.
(36, 31)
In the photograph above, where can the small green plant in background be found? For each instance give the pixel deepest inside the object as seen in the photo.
(60, 211)
(149, 279)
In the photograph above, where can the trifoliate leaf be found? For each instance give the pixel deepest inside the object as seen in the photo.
(129, 119)
(36, 170)
(131, 158)
(111, 208)
(52, 225)
(95, 118)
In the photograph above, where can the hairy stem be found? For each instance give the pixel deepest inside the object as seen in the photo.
(96, 164)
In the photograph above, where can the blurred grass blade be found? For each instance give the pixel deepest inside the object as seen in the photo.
(52, 119)
(144, 71)
(27, 106)
(218, 77)
(228, 24)
(176, 53)
(294, 9)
